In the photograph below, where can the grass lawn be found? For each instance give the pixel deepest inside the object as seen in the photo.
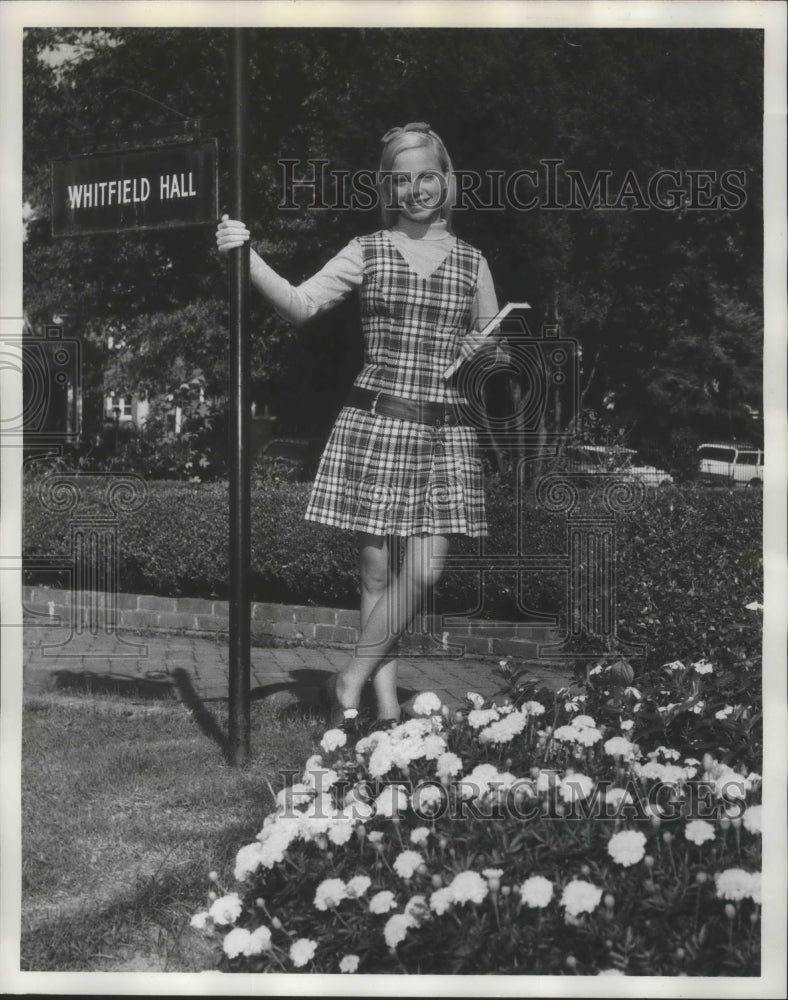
(126, 807)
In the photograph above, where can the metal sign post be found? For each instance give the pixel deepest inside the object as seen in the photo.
(240, 607)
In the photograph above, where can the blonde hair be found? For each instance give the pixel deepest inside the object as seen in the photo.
(396, 141)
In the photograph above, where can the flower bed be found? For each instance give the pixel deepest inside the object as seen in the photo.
(609, 830)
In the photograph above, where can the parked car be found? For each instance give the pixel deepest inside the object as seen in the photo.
(591, 458)
(732, 464)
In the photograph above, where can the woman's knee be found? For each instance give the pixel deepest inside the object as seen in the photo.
(374, 564)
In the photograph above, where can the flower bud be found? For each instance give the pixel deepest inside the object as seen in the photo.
(437, 881)
(506, 890)
(648, 861)
(725, 823)
(213, 876)
(494, 884)
(260, 903)
(680, 953)
(443, 843)
(754, 917)
(361, 831)
(212, 895)
(701, 878)
(585, 869)
(422, 869)
(571, 961)
(656, 819)
(730, 911)
(322, 842)
(609, 900)
(276, 923)
(667, 836)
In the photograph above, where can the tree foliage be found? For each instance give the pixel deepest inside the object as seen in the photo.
(665, 304)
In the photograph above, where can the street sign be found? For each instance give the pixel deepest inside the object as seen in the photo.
(158, 188)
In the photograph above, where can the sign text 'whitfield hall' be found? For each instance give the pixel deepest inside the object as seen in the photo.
(135, 189)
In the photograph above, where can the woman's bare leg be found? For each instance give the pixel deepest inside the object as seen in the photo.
(375, 554)
(393, 611)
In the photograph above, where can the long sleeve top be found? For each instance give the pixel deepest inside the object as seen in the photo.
(424, 248)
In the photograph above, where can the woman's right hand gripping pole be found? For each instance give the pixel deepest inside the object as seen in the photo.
(230, 234)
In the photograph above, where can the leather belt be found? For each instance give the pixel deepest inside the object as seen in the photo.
(432, 413)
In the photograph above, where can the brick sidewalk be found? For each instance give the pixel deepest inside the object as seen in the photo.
(159, 664)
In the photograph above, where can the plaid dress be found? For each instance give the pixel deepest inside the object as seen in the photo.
(388, 476)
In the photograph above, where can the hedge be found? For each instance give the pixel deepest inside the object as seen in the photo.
(685, 558)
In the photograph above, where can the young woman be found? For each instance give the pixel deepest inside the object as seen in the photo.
(401, 467)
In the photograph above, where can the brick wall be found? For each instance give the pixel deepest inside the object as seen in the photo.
(287, 624)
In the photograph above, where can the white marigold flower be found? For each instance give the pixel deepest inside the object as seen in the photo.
(350, 713)
(536, 891)
(580, 897)
(673, 666)
(588, 735)
(396, 929)
(235, 942)
(448, 765)
(299, 794)
(575, 787)
(755, 887)
(481, 717)
(349, 963)
(406, 863)
(699, 831)
(475, 699)
(730, 785)
(417, 909)
(617, 795)
(441, 900)
(752, 819)
(427, 798)
(408, 749)
(382, 902)
(314, 761)
(703, 667)
(505, 729)
(330, 893)
(581, 721)
(333, 739)
(375, 837)
(627, 847)
(724, 712)
(259, 941)
(340, 831)
(248, 860)
(433, 746)
(477, 783)
(427, 703)
(227, 909)
(666, 752)
(754, 606)
(357, 886)
(302, 951)
(200, 920)
(534, 708)
(734, 883)
(674, 774)
(391, 801)
(699, 707)
(468, 887)
(320, 779)
(381, 760)
(627, 724)
(492, 873)
(653, 769)
(566, 734)
(619, 746)
(419, 835)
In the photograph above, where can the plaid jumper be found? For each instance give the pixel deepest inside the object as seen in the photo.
(387, 476)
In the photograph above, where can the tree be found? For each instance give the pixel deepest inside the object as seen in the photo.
(666, 304)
